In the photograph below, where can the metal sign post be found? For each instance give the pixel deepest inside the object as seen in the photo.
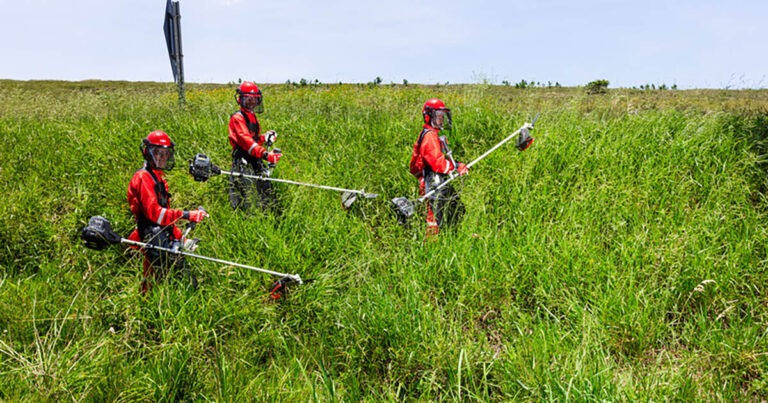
(172, 29)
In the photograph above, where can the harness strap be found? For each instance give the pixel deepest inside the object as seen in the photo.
(443, 147)
(253, 127)
(421, 138)
(161, 193)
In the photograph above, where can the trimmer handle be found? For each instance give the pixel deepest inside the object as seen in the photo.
(191, 224)
(448, 153)
(276, 151)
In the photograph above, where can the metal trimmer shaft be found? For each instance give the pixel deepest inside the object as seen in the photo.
(266, 178)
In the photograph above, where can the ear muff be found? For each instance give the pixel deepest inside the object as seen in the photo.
(145, 153)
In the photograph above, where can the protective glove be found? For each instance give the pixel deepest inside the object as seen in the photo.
(463, 170)
(274, 156)
(195, 215)
(269, 137)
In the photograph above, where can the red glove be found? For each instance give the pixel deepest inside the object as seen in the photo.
(273, 157)
(197, 215)
(463, 170)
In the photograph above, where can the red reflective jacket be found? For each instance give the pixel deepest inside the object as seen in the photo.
(248, 139)
(144, 202)
(428, 153)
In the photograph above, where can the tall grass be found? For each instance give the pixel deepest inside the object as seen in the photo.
(621, 257)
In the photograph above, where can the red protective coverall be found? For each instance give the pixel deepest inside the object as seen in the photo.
(430, 155)
(144, 203)
(240, 136)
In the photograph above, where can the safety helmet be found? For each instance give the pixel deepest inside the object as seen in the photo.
(249, 97)
(157, 149)
(436, 114)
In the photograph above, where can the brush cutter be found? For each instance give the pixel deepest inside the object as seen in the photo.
(201, 168)
(405, 208)
(98, 235)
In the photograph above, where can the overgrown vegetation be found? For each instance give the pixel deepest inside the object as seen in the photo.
(621, 257)
(531, 84)
(661, 87)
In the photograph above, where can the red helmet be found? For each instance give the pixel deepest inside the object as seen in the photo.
(436, 114)
(249, 97)
(157, 149)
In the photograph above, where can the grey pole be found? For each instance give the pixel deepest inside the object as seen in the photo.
(179, 55)
(294, 277)
(266, 178)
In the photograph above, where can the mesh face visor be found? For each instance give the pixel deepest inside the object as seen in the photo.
(441, 119)
(162, 157)
(252, 102)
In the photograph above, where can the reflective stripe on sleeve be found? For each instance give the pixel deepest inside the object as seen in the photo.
(251, 149)
(160, 218)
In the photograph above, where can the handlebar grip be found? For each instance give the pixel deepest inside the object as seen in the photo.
(191, 224)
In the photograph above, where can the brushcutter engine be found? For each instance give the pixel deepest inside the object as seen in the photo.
(403, 209)
(98, 234)
(202, 168)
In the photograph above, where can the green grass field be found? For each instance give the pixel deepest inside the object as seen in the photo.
(622, 257)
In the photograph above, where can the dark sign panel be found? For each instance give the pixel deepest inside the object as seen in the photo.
(169, 28)
(172, 30)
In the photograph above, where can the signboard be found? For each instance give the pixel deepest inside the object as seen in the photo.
(172, 30)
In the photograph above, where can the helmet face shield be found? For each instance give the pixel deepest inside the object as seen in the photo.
(441, 119)
(160, 157)
(252, 102)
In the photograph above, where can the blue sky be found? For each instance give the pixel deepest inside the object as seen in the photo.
(694, 44)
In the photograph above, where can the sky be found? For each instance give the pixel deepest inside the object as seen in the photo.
(693, 44)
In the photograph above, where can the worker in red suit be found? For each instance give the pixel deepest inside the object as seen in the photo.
(432, 163)
(150, 204)
(249, 152)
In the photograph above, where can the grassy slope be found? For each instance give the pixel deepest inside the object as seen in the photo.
(580, 270)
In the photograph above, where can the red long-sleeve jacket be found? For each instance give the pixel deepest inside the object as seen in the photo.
(248, 139)
(144, 202)
(429, 153)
